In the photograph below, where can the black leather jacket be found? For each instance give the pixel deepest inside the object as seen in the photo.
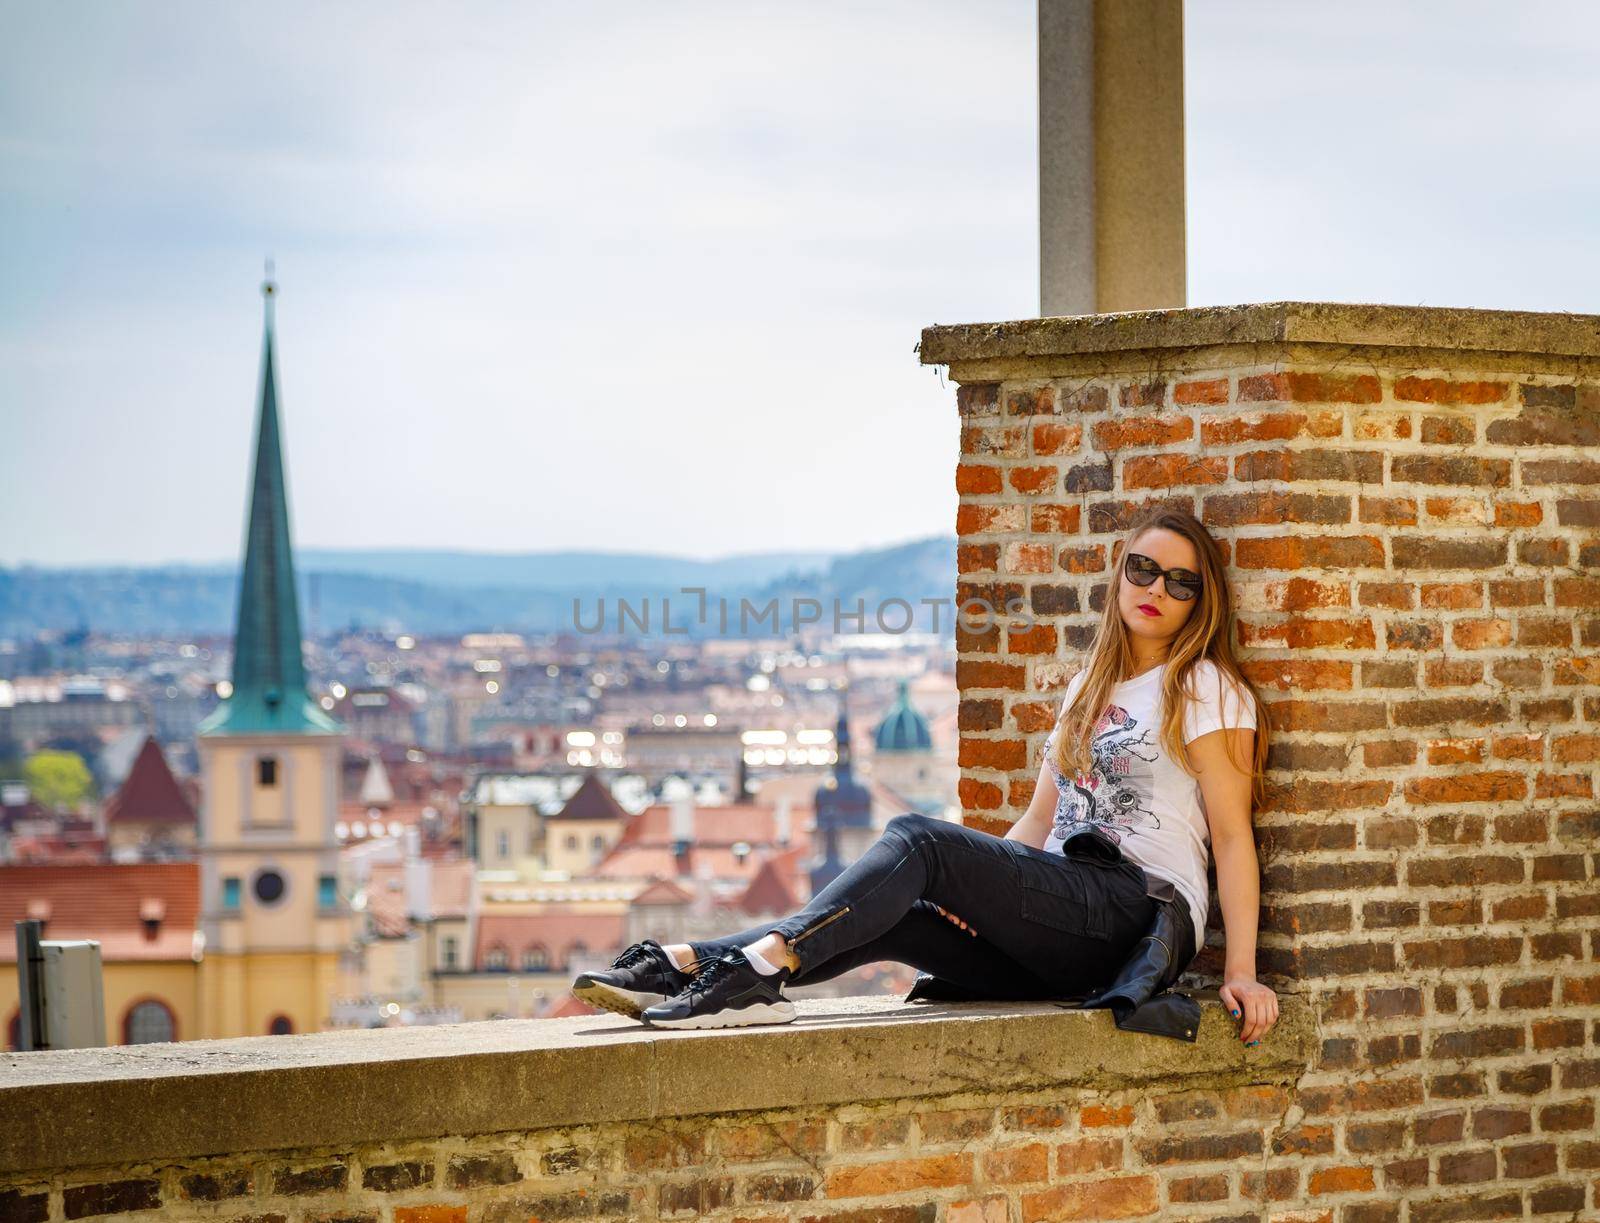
(1140, 996)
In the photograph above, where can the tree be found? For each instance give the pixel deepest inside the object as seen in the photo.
(57, 779)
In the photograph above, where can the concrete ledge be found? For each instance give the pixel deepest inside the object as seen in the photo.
(135, 1103)
(1419, 327)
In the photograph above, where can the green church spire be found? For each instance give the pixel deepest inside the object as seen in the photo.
(269, 677)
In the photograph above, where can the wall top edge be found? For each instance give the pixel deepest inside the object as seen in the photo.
(1288, 322)
(154, 1103)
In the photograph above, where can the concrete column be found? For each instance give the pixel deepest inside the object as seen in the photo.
(1111, 156)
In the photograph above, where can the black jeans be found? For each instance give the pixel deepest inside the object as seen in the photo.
(1047, 925)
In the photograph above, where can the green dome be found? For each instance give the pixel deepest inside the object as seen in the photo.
(903, 729)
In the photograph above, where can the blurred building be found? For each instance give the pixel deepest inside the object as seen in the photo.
(152, 816)
(146, 918)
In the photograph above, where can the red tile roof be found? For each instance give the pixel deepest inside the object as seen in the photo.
(769, 891)
(151, 794)
(104, 901)
(756, 823)
(386, 892)
(662, 892)
(592, 800)
(557, 929)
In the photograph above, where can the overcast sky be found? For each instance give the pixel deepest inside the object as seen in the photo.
(643, 276)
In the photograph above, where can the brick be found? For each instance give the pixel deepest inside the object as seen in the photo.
(1208, 391)
(1119, 1197)
(1302, 1140)
(955, 1124)
(1558, 1199)
(1081, 1155)
(1447, 391)
(779, 1187)
(211, 1186)
(24, 1205)
(1340, 1180)
(392, 1178)
(1030, 401)
(1526, 1162)
(564, 1161)
(1172, 1149)
(111, 1197)
(1567, 1116)
(1142, 394)
(924, 1213)
(322, 1178)
(548, 1207)
(769, 1140)
(470, 1171)
(1272, 1185)
(430, 1214)
(978, 399)
(1213, 1188)
(1467, 1167)
(1034, 1117)
(978, 1210)
(899, 1175)
(1478, 1206)
(1021, 1164)
(1188, 1106)
(697, 1197)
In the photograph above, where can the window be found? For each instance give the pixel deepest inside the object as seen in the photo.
(269, 886)
(597, 843)
(497, 959)
(502, 844)
(266, 771)
(450, 952)
(535, 959)
(327, 891)
(572, 842)
(147, 1022)
(576, 952)
(230, 893)
(281, 1025)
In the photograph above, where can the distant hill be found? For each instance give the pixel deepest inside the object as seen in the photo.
(418, 591)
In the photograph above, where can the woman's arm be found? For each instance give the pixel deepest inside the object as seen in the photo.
(1226, 790)
(1033, 826)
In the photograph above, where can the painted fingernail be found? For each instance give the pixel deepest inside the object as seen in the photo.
(1236, 1014)
(1248, 1044)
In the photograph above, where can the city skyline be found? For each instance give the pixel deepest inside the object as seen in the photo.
(505, 312)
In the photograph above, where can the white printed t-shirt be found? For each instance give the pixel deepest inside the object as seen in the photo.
(1136, 793)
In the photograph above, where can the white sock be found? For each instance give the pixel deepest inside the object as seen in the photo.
(759, 962)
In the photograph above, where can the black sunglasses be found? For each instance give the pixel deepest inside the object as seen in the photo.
(1142, 571)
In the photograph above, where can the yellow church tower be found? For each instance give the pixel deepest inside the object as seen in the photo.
(271, 912)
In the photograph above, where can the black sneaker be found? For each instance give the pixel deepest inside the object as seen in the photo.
(728, 993)
(641, 975)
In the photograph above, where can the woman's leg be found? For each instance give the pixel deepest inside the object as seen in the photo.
(1060, 919)
(926, 940)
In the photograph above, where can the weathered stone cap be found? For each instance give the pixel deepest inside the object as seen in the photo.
(1346, 323)
(137, 1103)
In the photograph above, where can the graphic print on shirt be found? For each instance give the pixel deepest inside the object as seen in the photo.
(1116, 794)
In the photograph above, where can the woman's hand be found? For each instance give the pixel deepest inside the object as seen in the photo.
(1253, 1004)
(955, 919)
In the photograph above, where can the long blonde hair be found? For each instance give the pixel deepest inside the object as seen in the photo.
(1207, 633)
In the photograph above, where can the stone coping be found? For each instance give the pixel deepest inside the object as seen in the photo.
(147, 1103)
(1341, 323)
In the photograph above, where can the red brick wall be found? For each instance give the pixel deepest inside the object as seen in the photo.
(1416, 565)
(1249, 1151)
